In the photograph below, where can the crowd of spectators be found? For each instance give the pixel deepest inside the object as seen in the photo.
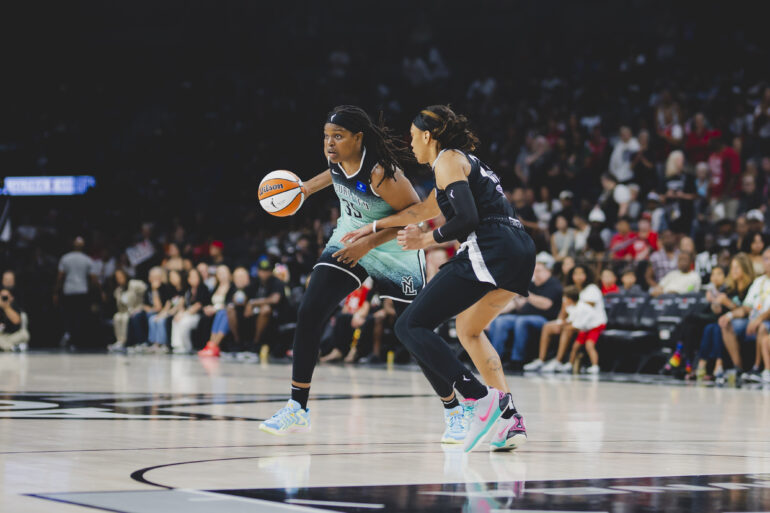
(638, 166)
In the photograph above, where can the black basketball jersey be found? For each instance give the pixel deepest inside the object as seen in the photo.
(486, 189)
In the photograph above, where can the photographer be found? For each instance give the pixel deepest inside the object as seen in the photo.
(13, 334)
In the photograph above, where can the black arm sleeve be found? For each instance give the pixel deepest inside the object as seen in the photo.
(466, 216)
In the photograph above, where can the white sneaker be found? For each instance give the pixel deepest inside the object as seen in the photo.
(551, 366)
(593, 369)
(766, 376)
(564, 367)
(454, 433)
(534, 365)
(486, 411)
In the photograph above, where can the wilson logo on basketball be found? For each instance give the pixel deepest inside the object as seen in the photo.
(272, 187)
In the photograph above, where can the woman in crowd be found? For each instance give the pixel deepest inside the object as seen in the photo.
(222, 296)
(196, 297)
(563, 239)
(737, 283)
(158, 325)
(753, 245)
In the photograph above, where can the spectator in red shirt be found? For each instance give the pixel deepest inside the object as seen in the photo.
(622, 243)
(725, 166)
(646, 242)
(609, 282)
(697, 143)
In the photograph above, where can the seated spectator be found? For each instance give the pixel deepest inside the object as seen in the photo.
(221, 297)
(209, 280)
(523, 316)
(581, 277)
(628, 282)
(563, 239)
(173, 304)
(614, 198)
(664, 260)
(643, 165)
(589, 319)
(753, 245)
(620, 161)
(14, 335)
(9, 283)
(384, 317)
(609, 281)
(153, 300)
(750, 197)
(128, 298)
(622, 243)
(269, 297)
(582, 231)
(749, 321)
(682, 280)
(184, 322)
(174, 261)
(236, 308)
(680, 194)
(736, 287)
(658, 221)
(646, 242)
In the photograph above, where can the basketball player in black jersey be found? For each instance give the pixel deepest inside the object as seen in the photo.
(496, 260)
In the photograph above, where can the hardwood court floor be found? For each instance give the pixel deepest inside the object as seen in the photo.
(178, 428)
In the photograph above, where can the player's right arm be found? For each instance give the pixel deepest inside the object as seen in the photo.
(318, 182)
(422, 211)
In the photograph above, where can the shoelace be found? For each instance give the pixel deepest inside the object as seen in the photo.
(283, 416)
(457, 422)
(468, 408)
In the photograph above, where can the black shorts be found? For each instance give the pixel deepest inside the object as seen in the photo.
(498, 252)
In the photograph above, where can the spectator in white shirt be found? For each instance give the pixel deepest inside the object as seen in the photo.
(751, 320)
(680, 281)
(620, 161)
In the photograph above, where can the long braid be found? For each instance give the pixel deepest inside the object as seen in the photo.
(392, 152)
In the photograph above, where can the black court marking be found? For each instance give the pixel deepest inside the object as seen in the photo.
(109, 406)
(140, 475)
(737, 493)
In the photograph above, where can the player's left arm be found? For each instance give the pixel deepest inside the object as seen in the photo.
(452, 176)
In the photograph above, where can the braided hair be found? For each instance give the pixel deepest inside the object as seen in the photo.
(449, 129)
(392, 153)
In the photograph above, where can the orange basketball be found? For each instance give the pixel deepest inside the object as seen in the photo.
(281, 193)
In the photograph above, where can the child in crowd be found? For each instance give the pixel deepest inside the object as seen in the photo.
(628, 282)
(588, 317)
(609, 281)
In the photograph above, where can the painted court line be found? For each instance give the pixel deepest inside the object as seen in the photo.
(334, 503)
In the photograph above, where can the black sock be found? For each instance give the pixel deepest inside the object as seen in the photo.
(452, 403)
(470, 387)
(300, 395)
(510, 410)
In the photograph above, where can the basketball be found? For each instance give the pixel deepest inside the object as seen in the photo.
(281, 193)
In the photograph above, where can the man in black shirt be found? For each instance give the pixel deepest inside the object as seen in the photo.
(523, 315)
(269, 298)
(13, 335)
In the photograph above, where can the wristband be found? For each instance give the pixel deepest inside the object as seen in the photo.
(730, 315)
(374, 226)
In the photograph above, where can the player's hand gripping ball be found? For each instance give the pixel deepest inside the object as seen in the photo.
(281, 193)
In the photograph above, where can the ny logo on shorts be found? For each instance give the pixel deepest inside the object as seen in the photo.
(407, 285)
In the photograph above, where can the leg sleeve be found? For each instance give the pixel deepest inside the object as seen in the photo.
(328, 286)
(445, 296)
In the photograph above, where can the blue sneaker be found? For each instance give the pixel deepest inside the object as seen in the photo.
(486, 411)
(289, 419)
(455, 426)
